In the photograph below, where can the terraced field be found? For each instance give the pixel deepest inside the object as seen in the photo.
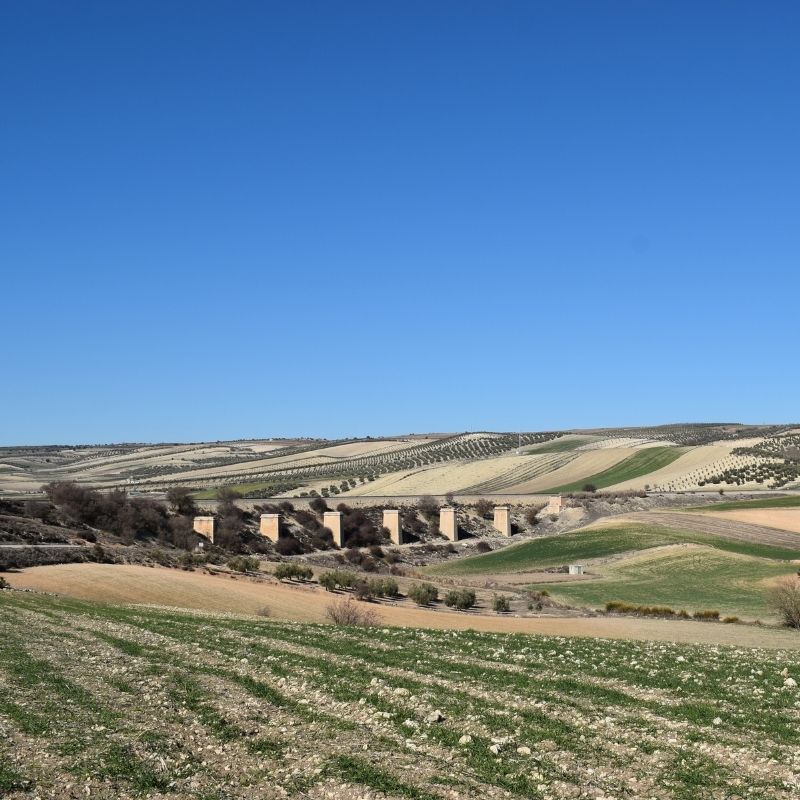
(120, 702)
(690, 577)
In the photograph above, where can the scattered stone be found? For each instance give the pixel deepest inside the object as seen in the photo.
(434, 717)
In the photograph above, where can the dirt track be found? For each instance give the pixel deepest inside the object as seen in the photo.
(195, 590)
(717, 526)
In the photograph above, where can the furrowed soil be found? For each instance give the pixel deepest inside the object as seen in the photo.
(308, 603)
(130, 702)
(786, 519)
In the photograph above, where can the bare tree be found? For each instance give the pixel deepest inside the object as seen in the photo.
(785, 597)
(348, 612)
(181, 501)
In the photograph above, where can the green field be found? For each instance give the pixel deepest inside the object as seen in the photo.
(693, 579)
(790, 501)
(641, 463)
(134, 702)
(586, 544)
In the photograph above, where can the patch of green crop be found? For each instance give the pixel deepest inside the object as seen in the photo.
(788, 501)
(693, 579)
(590, 543)
(360, 771)
(10, 780)
(641, 463)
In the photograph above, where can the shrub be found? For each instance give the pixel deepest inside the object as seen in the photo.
(3, 583)
(785, 598)
(531, 515)
(484, 508)
(384, 587)
(618, 607)
(428, 507)
(483, 547)
(181, 500)
(299, 572)
(500, 604)
(319, 505)
(328, 581)
(187, 561)
(363, 590)
(706, 614)
(288, 546)
(460, 599)
(423, 594)
(264, 611)
(412, 522)
(731, 620)
(348, 612)
(321, 543)
(589, 487)
(286, 507)
(376, 550)
(338, 579)
(354, 556)
(308, 520)
(242, 564)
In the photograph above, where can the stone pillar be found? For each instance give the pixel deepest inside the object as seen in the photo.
(205, 526)
(270, 526)
(333, 521)
(448, 524)
(391, 520)
(555, 505)
(502, 520)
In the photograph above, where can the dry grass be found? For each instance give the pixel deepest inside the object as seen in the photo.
(195, 590)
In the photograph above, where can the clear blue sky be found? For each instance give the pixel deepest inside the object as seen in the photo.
(246, 219)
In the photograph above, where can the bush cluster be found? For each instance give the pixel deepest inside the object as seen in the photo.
(706, 614)
(618, 607)
(299, 572)
(423, 594)
(501, 604)
(338, 579)
(460, 599)
(288, 546)
(243, 564)
(130, 518)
